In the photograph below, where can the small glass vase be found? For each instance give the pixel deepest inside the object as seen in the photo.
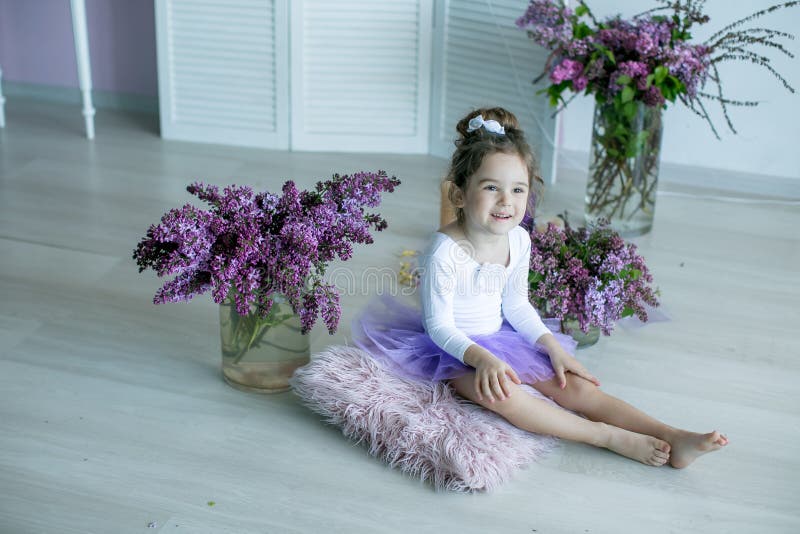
(623, 170)
(572, 328)
(260, 354)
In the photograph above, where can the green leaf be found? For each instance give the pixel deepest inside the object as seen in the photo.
(608, 53)
(627, 93)
(534, 278)
(582, 30)
(581, 10)
(632, 148)
(626, 312)
(676, 84)
(623, 80)
(629, 110)
(661, 73)
(641, 139)
(650, 78)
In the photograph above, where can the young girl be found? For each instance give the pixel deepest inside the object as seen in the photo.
(477, 328)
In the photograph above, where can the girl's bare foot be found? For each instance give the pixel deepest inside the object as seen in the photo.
(687, 446)
(640, 447)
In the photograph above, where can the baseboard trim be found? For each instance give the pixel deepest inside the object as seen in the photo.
(704, 177)
(71, 95)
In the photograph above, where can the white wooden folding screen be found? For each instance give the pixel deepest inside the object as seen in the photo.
(223, 71)
(366, 75)
(360, 75)
(480, 58)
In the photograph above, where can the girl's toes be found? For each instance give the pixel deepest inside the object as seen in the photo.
(663, 446)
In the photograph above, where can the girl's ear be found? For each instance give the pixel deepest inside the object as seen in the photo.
(455, 195)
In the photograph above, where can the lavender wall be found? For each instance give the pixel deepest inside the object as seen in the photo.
(36, 44)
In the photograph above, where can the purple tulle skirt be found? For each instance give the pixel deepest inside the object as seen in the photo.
(392, 332)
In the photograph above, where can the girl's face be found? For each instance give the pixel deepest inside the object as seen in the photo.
(497, 195)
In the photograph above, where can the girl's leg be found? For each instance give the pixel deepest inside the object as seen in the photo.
(535, 415)
(587, 399)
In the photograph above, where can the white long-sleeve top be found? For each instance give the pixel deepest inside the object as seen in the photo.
(462, 298)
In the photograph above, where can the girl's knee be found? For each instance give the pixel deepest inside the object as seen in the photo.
(506, 405)
(465, 386)
(578, 391)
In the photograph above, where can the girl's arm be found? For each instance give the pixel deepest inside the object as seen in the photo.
(438, 288)
(563, 361)
(517, 309)
(521, 314)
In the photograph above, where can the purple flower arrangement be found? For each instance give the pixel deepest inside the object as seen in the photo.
(250, 249)
(589, 274)
(648, 58)
(634, 67)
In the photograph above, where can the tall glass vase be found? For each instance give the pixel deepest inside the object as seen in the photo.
(260, 353)
(623, 171)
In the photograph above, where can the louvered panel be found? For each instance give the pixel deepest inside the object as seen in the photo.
(223, 71)
(224, 92)
(483, 59)
(360, 75)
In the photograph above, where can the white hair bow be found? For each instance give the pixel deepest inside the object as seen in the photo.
(490, 125)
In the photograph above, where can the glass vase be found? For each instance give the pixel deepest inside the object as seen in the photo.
(260, 354)
(623, 170)
(572, 328)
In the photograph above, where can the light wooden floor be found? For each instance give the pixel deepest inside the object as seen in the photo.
(113, 414)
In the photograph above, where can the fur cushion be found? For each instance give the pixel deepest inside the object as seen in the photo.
(422, 428)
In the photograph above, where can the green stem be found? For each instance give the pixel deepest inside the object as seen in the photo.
(249, 330)
(615, 179)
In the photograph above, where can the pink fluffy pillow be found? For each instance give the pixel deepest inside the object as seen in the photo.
(422, 428)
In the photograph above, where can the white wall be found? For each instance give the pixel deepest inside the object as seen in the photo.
(769, 134)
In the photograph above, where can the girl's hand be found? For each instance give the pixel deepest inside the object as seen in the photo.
(563, 361)
(491, 378)
(491, 374)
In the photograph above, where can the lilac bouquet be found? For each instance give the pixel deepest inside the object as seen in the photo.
(633, 68)
(589, 274)
(648, 58)
(252, 249)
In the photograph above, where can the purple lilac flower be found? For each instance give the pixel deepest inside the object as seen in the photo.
(634, 48)
(635, 70)
(249, 247)
(568, 69)
(590, 274)
(632, 69)
(548, 24)
(652, 96)
(690, 65)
